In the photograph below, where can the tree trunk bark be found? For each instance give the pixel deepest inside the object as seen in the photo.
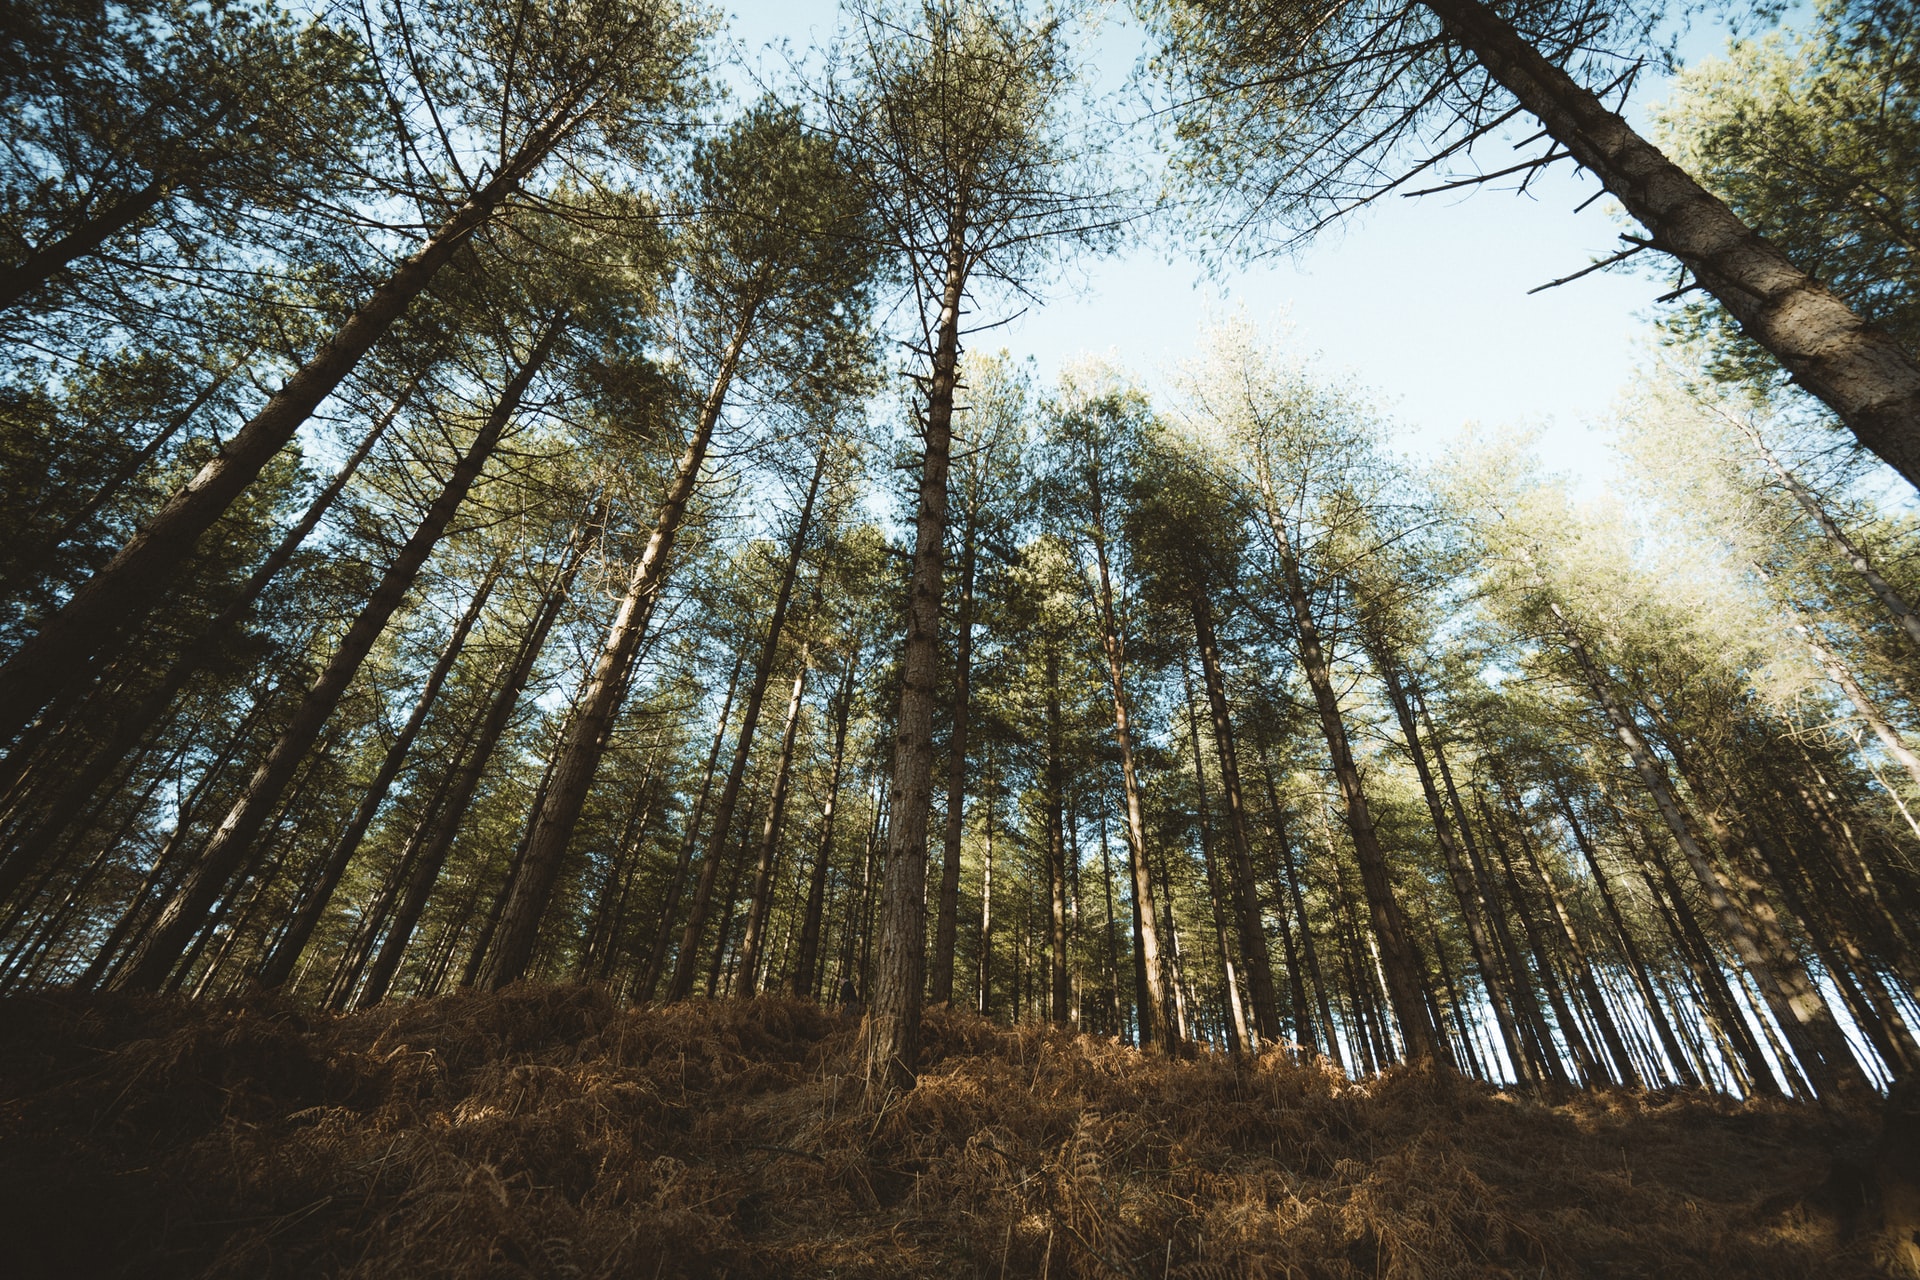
(940, 981)
(1159, 1025)
(1061, 992)
(1405, 989)
(1889, 597)
(40, 264)
(446, 827)
(1855, 368)
(1238, 1040)
(125, 588)
(1802, 1008)
(599, 704)
(232, 843)
(892, 1031)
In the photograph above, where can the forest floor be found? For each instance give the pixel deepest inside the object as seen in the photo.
(547, 1132)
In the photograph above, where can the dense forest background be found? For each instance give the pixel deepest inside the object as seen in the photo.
(480, 505)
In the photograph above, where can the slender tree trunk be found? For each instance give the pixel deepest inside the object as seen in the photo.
(1855, 368)
(1325, 1039)
(676, 883)
(761, 904)
(1159, 1025)
(1457, 873)
(806, 964)
(1236, 1026)
(232, 843)
(1636, 963)
(1405, 988)
(599, 704)
(333, 863)
(892, 1031)
(42, 263)
(1252, 927)
(1054, 797)
(501, 705)
(1582, 965)
(117, 596)
(983, 975)
(1838, 672)
(34, 558)
(685, 965)
(130, 729)
(1833, 1067)
(940, 982)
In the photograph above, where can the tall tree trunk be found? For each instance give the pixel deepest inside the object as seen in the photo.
(685, 965)
(333, 864)
(34, 557)
(676, 883)
(131, 728)
(1054, 789)
(502, 703)
(1406, 990)
(761, 905)
(1236, 1023)
(806, 964)
(599, 703)
(1832, 1067)
(1252, 928)
(1159, 1026)
(1857, 369)
(1636, 963)
(117, 596)
(1325, 1040)
(1624, 1070)
(983, 974)
(1458, 875)
(940, 980)
(232, 843)
(892, 1031)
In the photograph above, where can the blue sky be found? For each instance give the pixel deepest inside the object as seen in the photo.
(1422, 301)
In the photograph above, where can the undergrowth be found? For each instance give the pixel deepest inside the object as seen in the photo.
(546, 1132)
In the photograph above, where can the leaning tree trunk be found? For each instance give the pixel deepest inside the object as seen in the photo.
(532, 888)
(19, 280)
(333, 864)
(438, 844)
(132, 727)
(1856, 368)
(1054, 799)
(940, 983)
(892, 1029)
(1457, 874)
(1890, 598)
(677, 881)
(234, 840)
(116, 597)
(686, 964)
(1400, 959)
(1831, 1067)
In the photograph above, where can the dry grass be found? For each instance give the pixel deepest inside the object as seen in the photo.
(545, 1132)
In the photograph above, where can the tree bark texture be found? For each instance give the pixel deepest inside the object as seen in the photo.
(1856, 368)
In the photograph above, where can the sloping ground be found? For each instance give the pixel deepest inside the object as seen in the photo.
(545, 1132)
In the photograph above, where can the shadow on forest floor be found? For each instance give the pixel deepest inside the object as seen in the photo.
(546, 1132)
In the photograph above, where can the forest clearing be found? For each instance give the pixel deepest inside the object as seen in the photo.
(577, 698)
